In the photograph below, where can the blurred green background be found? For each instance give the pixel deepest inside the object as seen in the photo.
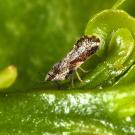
(34, 34)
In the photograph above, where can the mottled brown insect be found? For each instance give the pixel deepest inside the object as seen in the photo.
(82, 50)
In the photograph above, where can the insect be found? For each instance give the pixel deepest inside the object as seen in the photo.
(82, 50)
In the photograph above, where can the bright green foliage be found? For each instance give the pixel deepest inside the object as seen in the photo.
(116, 48)
(78, 112)
(36, 34)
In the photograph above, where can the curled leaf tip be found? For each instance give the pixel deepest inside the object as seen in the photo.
(7, 76)
(118, 4)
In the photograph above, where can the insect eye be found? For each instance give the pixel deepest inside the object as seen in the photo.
(86, 39)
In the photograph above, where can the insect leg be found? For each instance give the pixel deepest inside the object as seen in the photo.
(78, 76)
(72, 81)
(85, 71)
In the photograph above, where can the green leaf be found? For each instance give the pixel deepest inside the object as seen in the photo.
(116, 47)
(36, 34)
(110, 111)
